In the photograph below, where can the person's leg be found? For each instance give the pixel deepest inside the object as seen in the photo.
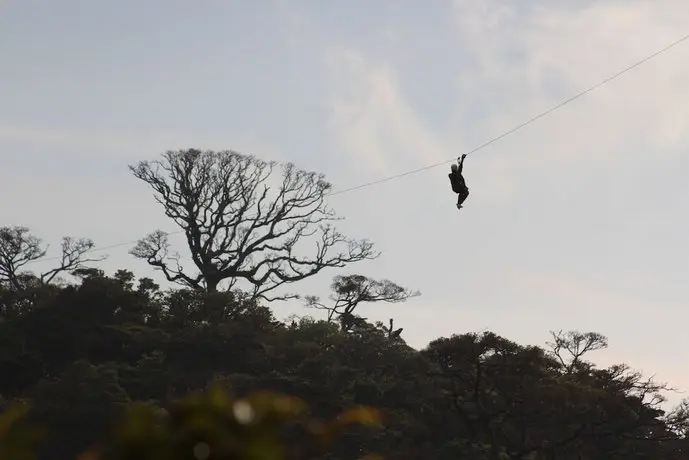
(461, 197)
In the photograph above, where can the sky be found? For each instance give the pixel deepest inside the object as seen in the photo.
(578, 221)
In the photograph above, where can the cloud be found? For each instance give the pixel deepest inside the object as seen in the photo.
(519, 60)
(375, 125)
(136, 145)
(52, 137)
(528, 57)
(371, 119)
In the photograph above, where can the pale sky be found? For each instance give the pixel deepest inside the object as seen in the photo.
(578, 221)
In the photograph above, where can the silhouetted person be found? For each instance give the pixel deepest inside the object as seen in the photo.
(459, 186)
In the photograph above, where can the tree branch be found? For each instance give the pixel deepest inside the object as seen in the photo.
(72, 257)
(19, 248)
(351, 290)
(238, 228)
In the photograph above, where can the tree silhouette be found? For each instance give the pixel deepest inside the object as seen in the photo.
(236, 229)
(351, 290)
(570, 347)
(18, 248)
(91, 349)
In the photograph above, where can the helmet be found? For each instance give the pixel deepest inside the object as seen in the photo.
(454, 168)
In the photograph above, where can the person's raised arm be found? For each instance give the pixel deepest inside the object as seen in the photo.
(461, 163)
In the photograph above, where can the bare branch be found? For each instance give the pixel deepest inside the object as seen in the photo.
(72, 257)
(677, 420)
(312, 301)
(570, 347)
(237, 228)
(351, 290)
(155, 249)
(17, 248)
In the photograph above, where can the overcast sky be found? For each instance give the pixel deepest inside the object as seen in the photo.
(578, 221)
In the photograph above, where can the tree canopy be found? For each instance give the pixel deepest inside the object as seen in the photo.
(114, 366)
(238, 228)
(85, 355)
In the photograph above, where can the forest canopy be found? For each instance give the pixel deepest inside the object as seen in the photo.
(116, 366)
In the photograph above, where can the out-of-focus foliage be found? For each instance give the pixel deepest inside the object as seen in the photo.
(211, 425)
(18, 440)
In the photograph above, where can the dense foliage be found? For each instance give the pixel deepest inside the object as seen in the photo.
(80, 354)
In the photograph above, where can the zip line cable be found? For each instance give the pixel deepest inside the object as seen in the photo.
(474, 150)
(524, 124)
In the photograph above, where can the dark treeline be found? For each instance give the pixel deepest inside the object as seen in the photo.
(81, 351)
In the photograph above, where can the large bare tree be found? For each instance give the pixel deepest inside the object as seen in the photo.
(18, 248)
(238, 228)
